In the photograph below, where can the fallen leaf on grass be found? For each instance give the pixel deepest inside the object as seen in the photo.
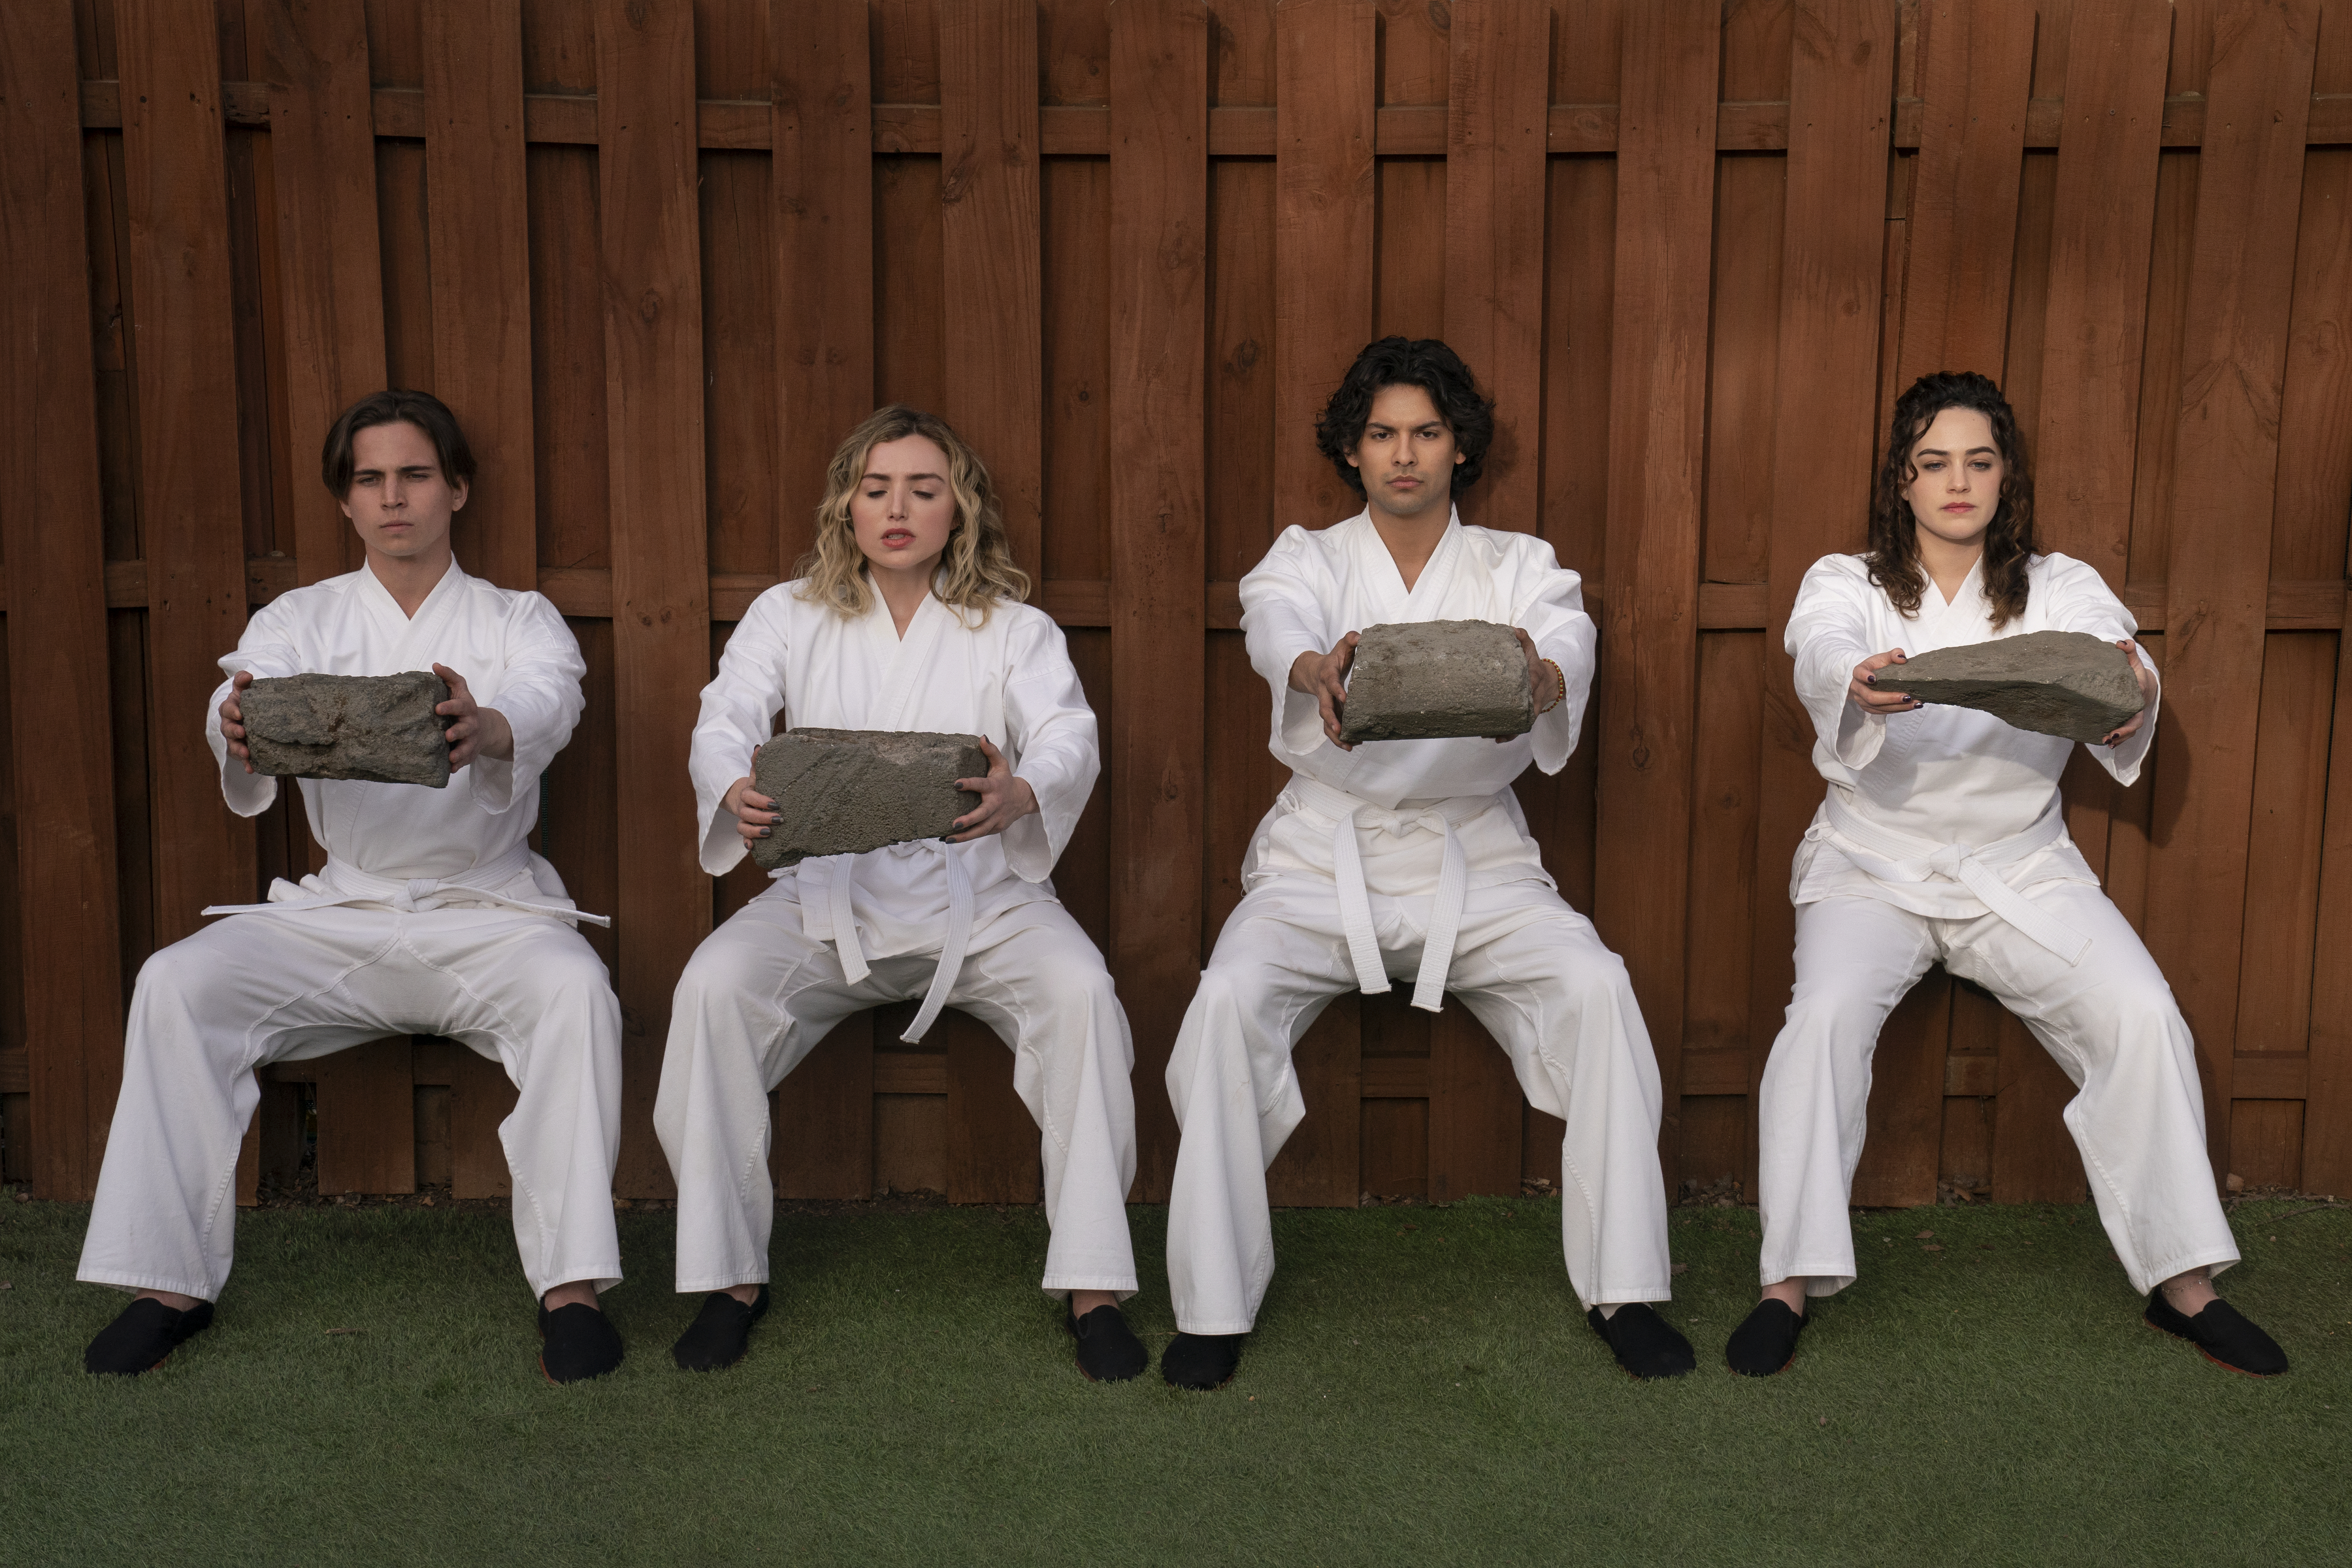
(347, 1330)
(4, 1285)
(1932, 1247)
(1823, 1422)
(1682, 1269)
(1925, 1236)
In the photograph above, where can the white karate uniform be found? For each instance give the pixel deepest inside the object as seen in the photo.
(431, 916)
(1943, 839)
(973, 925)
(1408, 858)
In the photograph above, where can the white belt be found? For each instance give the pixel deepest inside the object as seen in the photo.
(346, 885)
(1894, 856)
(829, 918)
(1348, 814)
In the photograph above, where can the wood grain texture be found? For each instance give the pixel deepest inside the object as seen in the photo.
(823, 1138)
(1648, 696)
(2328, 1119)
(1899, 1164)
(1840, 92)
(1159, 319)
(58, 698)
(661, 587)
(322, 151)
(478, 207)
(1498, 176)
(1475, 1108)
(1964, 196)
(367, 1118)
(1324, 96)
(991, 1143)
(2241, 281)
(822, 186)
(990, 232)
(190, 497)
(480, 1098)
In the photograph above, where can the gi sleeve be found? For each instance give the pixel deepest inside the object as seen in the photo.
(269, 650)
(1548, 604)
(1283, 598)
(1051, 742)
(540, 696)
(1829, 634)
(2081, 601)
(738, 714)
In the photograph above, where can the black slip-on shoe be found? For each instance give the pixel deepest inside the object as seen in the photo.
(2227, 1336)
(1201, 1360)
(142, 1337)
(580, 1343)
(1765, 1340)
(720, 1333)
(1109, 1351)
(1645, 1345)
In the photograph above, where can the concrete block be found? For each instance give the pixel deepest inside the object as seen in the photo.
(377, 727)
(1435, 679)
(2053, 683)
(844, 792)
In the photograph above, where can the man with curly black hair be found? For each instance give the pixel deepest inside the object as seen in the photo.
(1410, 858)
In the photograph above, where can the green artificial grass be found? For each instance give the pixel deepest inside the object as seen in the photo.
(1421, 1388)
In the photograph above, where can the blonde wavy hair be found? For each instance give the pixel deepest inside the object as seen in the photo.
(975, 571)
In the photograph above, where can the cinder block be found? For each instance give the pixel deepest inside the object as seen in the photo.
(1436, 679)
(381, 728)
(844, 792)
(2053, 683)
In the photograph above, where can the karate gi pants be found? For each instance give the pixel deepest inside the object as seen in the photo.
(760, 993)
(2110, 1021)
(525, 990)
(1528, 966)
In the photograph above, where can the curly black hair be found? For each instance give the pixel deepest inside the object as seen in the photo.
(1425, 362)
(2010, 544)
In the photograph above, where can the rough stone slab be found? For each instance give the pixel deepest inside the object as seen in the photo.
(1423, 680)
(844, 792)
(379, 728)
(2053, 683)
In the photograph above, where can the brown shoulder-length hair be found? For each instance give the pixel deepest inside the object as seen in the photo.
(975, 571)
(2010, 544)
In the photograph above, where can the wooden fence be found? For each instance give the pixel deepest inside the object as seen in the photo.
(659, 255)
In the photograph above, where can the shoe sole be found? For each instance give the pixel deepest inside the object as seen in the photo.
(2209, 1355)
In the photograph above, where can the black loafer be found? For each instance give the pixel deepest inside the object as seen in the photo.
(1645, 1345)
(1765, 1343)
(580, 1343)
(142, 1338)
(2226, 1336)
(1109, 1351)
(720, 1333)
(1201, 1360)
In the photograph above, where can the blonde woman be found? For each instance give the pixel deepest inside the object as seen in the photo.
(908, 614)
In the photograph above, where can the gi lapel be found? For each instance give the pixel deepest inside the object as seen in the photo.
(419, 643)
(1426, 602)
(903, 670)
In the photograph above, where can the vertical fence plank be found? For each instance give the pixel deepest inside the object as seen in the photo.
(1158, 322)
(322, 151)
(1657, 444)
(993, 234)
(822, 185)
(1964, 192)
(479, 213)
(1498, 176)
(1840, 94)
(661, 585)
(190, 502)
(2327, 1109)
(50, 526)
(823, 1146)
(367, 1118)
(2241, 281)
(1325, 86)
(480, 1097)
(1476, 1111)
(993, 1143)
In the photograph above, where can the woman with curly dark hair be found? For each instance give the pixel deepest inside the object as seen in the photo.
(1943, 839)
(1408, 858)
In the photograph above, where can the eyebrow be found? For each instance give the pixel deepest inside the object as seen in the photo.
(935, 478)
(1940, 452)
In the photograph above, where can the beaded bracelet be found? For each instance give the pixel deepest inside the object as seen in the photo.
(1560, 688)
